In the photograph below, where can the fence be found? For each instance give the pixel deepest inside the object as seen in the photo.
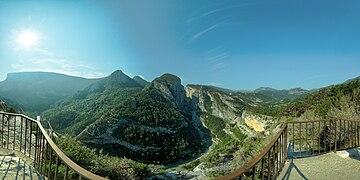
(298, 139)
(27, 136)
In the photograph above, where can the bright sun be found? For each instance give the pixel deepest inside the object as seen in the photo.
(27, 39)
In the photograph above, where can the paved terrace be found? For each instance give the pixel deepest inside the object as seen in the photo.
(13, 167)
(341, 165)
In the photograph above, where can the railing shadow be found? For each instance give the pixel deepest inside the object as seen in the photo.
(354, 153)
(290, 168)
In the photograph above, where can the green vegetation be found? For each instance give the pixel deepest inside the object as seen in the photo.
(215, 125)
(103, 165)
(226, 146)
(152, 124)
(327, 101)
(150, 108)
(73, 115)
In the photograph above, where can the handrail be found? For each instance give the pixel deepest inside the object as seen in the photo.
(39, 158)
(257, 159)
(319, 136)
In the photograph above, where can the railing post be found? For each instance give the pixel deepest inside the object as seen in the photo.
(14, 147)
(2, 130)
(285, 144)
(335, 138)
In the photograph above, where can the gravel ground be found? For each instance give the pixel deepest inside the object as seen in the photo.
(340, 165)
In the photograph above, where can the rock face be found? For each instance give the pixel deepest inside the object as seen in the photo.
(253, 123)
(226, 108)
(220, 104)
(170, 86)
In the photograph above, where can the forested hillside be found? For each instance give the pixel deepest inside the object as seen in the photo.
(149, 126)
(340, 101)
(35, 92)
(75, 113)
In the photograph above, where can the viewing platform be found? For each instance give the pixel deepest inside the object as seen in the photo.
(339, 165)
(28, 152)
(14, 167)
(323, 149)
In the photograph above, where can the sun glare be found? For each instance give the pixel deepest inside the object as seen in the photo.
(27, 39)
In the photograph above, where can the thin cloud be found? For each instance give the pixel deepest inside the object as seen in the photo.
(219, 57)
(201, 33)
(219, 66)
(227, 8)
(58, 65)
(215, 84)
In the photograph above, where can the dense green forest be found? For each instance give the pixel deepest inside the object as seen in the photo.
(152, 121)
(74, 114)
(102, 164)
(150, 108)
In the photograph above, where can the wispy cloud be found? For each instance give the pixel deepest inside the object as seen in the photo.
(201, 33)
(218, 66)
(227, 8)
(58, 65)
(219, 57)
(205, 12)
(215, 84)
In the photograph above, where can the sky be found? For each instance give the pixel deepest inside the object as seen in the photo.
(235, 44)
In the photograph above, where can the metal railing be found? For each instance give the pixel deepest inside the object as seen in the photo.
(27, 136)
(308, 138)
(297, 139)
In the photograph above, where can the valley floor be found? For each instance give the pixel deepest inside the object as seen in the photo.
(340, 165)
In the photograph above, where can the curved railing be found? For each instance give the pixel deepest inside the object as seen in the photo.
(295, 139)
(27, 136)
(298, 139)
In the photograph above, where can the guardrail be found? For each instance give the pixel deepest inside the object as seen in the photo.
(308, 138)
(27, 136)
(297, 139)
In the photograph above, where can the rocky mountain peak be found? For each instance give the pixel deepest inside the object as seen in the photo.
(118, 78)
(170, 86)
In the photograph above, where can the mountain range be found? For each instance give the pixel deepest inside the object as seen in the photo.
(163, 122)
(37, 91)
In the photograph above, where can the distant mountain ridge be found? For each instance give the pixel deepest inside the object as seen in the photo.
(140, 81)
(291, 94)
(37, 91)
(328, 102)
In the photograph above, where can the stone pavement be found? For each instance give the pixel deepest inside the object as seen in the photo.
(340, 165)
(12, 168)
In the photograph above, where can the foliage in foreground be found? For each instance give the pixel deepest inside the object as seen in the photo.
(103, 165)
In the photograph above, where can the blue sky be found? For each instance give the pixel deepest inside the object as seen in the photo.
(236, 44)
